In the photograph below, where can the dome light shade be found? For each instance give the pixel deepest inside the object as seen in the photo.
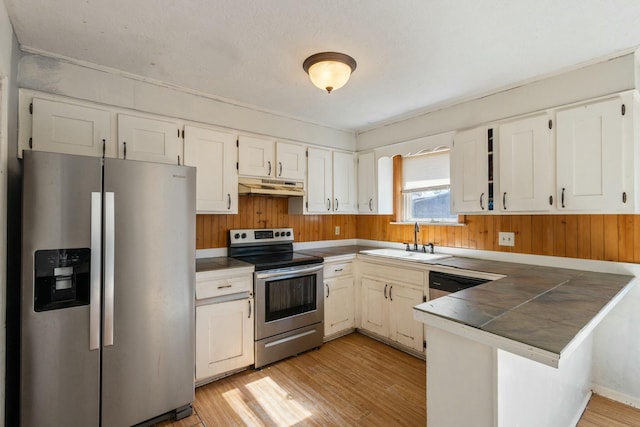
(329, 70)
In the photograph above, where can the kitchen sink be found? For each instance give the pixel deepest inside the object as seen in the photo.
(403, 254)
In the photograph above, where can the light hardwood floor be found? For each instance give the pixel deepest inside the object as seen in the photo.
(351, 381)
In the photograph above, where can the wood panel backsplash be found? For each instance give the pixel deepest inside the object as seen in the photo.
(599, 237)
(212, 231)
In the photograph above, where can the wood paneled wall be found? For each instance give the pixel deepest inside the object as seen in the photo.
(212, 231)
(599, 237)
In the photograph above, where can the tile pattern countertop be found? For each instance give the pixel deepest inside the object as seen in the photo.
(542, 307)
(332, 251)
(219, 263)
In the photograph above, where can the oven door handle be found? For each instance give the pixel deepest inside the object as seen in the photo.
(288, 272)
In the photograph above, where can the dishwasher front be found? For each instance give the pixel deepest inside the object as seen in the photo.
(441, 284)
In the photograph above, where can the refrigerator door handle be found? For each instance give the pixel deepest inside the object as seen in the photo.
(109, 261)
(96, 257)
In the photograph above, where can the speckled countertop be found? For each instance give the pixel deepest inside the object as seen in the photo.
(542, 307)
(335, 251)
(219, 263)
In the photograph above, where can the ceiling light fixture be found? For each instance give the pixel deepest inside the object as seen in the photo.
(329, 70)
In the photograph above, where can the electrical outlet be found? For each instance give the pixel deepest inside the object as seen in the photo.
(337, 230)
(506, 238)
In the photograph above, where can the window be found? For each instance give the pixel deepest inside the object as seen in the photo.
(426, 189)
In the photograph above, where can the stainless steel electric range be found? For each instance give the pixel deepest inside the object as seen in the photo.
(289, 301)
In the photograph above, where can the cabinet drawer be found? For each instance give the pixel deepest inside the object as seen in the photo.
(338, 269)
(208, 287)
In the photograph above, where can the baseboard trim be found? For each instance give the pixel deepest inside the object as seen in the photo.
(616, 395)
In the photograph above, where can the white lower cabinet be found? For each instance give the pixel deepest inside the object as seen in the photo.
(387, 304)
(224, 322)
(224, 337)
(339, 310)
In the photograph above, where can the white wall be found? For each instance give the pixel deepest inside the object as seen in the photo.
(91, 83)
(603, 78)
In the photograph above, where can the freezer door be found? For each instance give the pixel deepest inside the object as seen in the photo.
(148, 353)
(60, 359)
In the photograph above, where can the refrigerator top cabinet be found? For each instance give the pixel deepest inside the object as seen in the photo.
(107, 311)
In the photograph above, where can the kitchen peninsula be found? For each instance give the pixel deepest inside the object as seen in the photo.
(518, 350)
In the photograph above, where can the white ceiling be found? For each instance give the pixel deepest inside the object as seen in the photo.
(411, 54)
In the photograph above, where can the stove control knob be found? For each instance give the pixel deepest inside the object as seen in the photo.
(277, 234)
(236, 236)
(288, 233)
(244, 235)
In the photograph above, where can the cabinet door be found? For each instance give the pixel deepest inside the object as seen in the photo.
(367, 192)
(149, 140)
(319, 181)
(256, 156)
(291, 161)
(403, 328)
(344, 182)
(213, 153)
(375, 306)
(594, 157)
(71, 129)
(339, 313)
(470, 171)
(224, 337)
(527, 171)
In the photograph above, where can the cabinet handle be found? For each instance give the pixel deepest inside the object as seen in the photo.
(328, 204)
(124, 143)
(550, 200)
(337, 269)
(269, 165)
(562, 198)
(249, 317)
(624, 197)
(385, 291)
(280, 166)
(481, 200)
(336, 204)
(504, 200)
(104, 147)
(328, 290)
(228, 201)
(390, 295)
(224, 286)
(371, 205)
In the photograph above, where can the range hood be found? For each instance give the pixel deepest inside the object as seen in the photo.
(270, 187)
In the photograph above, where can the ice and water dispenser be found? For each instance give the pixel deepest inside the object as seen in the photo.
(61, 278)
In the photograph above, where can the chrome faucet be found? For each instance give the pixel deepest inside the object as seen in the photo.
(416, 230)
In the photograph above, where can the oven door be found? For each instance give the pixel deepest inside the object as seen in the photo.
(288, 299)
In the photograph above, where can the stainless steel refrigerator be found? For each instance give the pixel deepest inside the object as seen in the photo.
(108, 273)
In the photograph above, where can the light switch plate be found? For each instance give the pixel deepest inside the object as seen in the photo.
(337, 230)
(506, 238)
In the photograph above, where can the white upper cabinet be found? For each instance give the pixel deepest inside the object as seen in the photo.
(150, 140)
(256, 156)
(470, 177)
(344, 182)
(367, 191)
(266, 158)
(66, 128)
(331, 183)
(527, 165)
(213, 153)
(291, 161)
(319, 181)
(595, 156)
